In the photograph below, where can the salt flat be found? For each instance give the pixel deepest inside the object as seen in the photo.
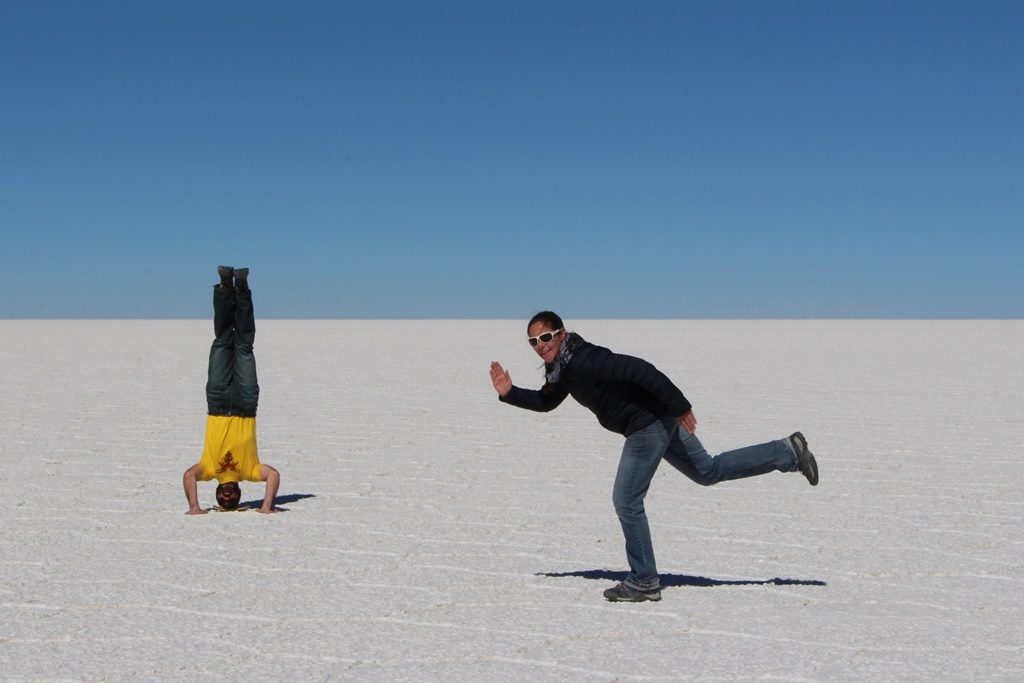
(432, 533)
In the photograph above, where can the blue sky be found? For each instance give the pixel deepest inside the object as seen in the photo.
(386, 159)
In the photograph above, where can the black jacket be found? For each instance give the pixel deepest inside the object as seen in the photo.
(625, 393)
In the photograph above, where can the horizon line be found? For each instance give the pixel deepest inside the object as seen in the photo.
(510, 318)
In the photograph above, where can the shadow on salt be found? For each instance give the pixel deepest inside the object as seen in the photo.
(675, 580)
(278, 501)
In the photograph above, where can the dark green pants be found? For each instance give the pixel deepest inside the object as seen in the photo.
(231, 387)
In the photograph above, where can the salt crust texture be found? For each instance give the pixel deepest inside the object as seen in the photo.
(431, 533)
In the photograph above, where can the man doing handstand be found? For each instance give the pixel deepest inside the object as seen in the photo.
(229, 452)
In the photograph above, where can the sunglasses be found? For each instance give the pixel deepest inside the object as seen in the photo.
(546, 337)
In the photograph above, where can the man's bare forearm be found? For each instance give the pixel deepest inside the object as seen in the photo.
(273, 478)
(190, 483)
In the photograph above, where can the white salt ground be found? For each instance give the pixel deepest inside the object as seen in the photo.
(431, 533)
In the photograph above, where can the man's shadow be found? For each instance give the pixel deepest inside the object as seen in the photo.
(278, 501)
(675, 580)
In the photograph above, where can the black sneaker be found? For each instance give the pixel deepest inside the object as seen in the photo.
(225, 273)
(623, 593)
(805, 461)
(241, 280)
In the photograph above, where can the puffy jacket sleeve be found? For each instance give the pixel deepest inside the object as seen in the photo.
(549, 397)
(616, 367)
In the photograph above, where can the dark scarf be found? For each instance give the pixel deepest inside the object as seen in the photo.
(572, 342)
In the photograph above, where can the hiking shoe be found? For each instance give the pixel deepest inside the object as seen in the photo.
(623, 593)
(805, 461)
(241, 280)
(225, 273)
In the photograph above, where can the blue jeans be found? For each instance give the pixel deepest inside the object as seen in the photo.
(641, 455)
(231, 384)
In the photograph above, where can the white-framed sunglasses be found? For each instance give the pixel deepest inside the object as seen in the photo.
(546, 337)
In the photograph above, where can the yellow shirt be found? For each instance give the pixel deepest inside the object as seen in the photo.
(229, 453)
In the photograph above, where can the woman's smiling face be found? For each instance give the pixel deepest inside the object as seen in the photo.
(548, 351)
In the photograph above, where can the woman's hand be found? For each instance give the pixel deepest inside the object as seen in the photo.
(688, 421)
(500, 379)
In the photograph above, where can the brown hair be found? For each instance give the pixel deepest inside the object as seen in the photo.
(549, 317)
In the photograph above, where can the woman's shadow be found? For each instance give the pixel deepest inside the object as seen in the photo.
(674, 580)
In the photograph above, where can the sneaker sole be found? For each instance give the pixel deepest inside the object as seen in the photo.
(807, 465)
(643, 597)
